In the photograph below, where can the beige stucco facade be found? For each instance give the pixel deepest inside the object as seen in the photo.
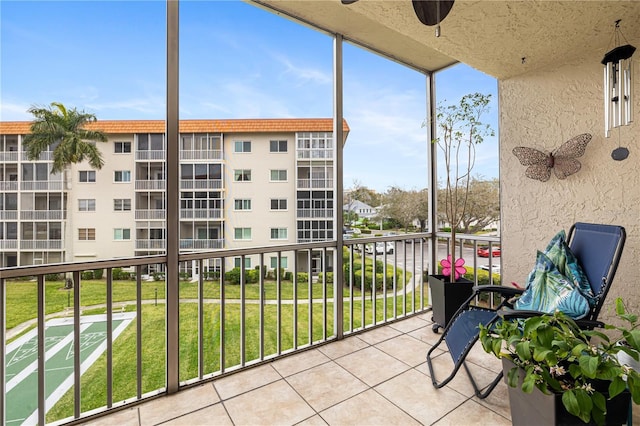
(541, 110)
(546, 57)
(243, 183)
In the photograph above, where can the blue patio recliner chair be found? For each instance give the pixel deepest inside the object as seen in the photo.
(597, 248)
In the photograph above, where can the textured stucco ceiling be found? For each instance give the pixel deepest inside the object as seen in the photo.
(490, 35)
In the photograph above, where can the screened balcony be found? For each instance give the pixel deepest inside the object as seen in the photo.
(545, 56)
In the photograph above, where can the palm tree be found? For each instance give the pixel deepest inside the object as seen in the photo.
(64, 130)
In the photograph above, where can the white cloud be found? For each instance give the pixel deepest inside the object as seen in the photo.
(303, 75)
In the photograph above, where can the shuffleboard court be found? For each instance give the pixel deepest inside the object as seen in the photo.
(22, 362)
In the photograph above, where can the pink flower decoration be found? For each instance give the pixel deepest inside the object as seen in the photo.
(459, 269)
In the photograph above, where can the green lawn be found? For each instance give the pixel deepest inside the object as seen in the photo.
(21, 306)
(22, 303)
(93, 382)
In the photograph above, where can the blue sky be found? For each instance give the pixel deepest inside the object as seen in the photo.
(237, 61)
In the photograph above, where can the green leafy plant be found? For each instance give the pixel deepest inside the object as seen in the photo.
(555, 355)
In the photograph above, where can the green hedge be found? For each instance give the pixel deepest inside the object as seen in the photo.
(483, 276)
(251, 276)
(368, 279)
(329, 277)
(119, 274)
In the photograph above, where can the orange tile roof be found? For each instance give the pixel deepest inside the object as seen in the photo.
(258, 125)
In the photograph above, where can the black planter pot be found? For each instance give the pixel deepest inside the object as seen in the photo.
(446, 298)
(539, 409)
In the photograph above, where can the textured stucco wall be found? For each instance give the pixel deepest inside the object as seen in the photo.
(543, 109)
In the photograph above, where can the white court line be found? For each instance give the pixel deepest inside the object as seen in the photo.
(28, 370)
(68, 382)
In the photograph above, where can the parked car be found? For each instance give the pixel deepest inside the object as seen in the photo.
(484, 251)
(382, 247)
(495, 269)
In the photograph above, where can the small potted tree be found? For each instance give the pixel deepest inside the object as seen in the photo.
(560, 373)
(459, 130)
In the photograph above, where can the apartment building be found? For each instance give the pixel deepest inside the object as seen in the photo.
(243, 183)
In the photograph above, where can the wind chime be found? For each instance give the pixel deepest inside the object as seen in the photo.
(618, 88)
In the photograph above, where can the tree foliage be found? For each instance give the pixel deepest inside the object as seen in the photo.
(362, 193)
(483, 205)
(406, 206)
(63, 130)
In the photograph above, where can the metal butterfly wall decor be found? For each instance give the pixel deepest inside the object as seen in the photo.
(562, 161)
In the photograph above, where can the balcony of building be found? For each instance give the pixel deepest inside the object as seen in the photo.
(201, 176)
(549, 87)
(201, 244)
(287, 321)
(150, 185)
(200, 147)
(374, 377)
(150, 155)
(9, 185)
(151, 214)
(9, 156)
(41, 185)
(9, 177)
(150, 176)
(8, 214)
(314, 213)
(201, 213)
(150, 147)
(44, 156)
(151, 244)
(201, 184)
(41, 244)
(9, 149)
(42, 214)
(315, 183)
(9, 243)
(314, 146)
(188, 155)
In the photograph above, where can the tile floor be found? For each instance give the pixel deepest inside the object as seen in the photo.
(378, 377)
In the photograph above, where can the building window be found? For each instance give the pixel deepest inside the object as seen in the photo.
(274, 262)
(315, 230)
(86, 234)
(242, 146)
(87, 176)
(242, 175)
(121, 204)
(278, 175)
(237, 261)
(277, 146)
(242, 204)
(200, 200)
(278, 233)
(201, 171)
(88, 205)
(242, 233)
(122, 176)
(122, 234)
(35, 171)
(122, 147)
(278, 204)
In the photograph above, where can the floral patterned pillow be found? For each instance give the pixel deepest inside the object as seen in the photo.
(549, 290)
(561, 255)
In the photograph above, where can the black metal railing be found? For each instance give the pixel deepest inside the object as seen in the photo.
(112, 316)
